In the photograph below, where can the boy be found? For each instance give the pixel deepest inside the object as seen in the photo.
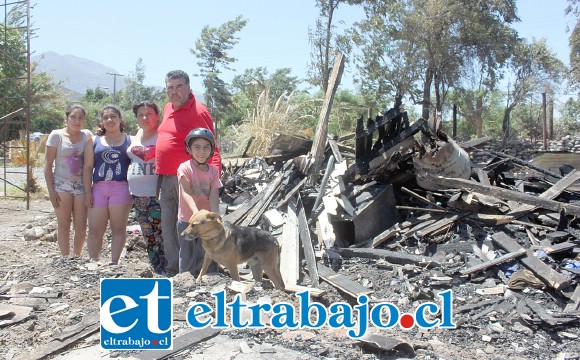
(199, 185)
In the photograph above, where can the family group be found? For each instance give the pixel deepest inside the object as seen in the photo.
(166, 172)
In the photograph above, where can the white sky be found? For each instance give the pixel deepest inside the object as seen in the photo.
(118, 32)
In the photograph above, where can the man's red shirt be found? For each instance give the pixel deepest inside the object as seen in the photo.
(170, 147)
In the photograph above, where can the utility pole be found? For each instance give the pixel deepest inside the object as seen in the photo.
(544, 121)
(114, 84)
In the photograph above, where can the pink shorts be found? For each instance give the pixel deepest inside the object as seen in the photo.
(107, 193)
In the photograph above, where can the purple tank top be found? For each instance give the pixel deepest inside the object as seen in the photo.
(111, 162)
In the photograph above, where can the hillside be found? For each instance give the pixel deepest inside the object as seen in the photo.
(77, 74)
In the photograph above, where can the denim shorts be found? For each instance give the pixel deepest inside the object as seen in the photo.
(72, 187)
(107, 193)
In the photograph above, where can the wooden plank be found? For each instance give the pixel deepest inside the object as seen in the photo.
(493, 262)
(502, 193)
(86, 322)
(400, 143)
(335, 151)
(307, 243)
(268, 194)
(542, 271)
(397, 229)
(56, 346)
(574, 303)
(441, 223)
(386, 235)
(521, 162)
(20, 313)
(322, 188)
(240, 213)
(54, 295)
(322, 126)
(291, 193)
(345, 203)
(326, 236)
(565, 246)
(290, 252)
(551, 193)
(544, 316)
(179, 344)
(385, 159)
(482, 176)
(314, 292)
(395, 257)
(341, 282)
(490, 219)
(423, 199)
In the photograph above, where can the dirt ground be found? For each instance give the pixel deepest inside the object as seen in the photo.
(493, 331)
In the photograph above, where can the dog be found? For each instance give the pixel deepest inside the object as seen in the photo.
(229, 245)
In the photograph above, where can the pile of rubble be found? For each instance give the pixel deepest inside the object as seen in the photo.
(566, 143)
(410, 201)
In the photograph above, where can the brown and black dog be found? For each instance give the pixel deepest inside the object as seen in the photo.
(230, 245)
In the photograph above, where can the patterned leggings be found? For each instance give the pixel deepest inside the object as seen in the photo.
(148, 213)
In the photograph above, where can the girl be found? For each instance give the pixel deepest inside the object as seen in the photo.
(66, 150)
(106, 188)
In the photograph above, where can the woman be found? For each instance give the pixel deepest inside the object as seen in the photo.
(106, 188)
(143, 182)
(66, 150)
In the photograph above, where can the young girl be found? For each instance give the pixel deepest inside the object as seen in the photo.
(199, 185)
(65, 149)
(105, 182)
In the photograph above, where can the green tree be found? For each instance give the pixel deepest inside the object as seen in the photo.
(135, 90)
(47, 103)
(325, 43)
(574, 41)
(533, 67)
(420, 48)
(46, 100)
(212, 50)
(569, 122)
(93, 101)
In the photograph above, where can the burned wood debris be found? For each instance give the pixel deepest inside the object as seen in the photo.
(408, 198)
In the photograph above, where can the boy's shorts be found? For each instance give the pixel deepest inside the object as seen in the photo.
(107, 193)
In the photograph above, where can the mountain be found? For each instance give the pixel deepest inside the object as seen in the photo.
(77, 74)
(80, 74)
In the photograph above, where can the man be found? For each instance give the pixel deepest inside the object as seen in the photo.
(182, 114)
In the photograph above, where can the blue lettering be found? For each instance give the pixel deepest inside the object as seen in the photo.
(363, 315)
(236, 306)
(220, 309)
(420, 315)
(305, 307)
(340, 316)
(447, 310)
(283, 316)
(192, 315)
(256, 316)
(376, 313)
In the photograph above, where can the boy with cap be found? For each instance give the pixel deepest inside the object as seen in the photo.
(199, 184)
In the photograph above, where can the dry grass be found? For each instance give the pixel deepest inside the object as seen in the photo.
(18, 151)
(17, 157)
(263, 123)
